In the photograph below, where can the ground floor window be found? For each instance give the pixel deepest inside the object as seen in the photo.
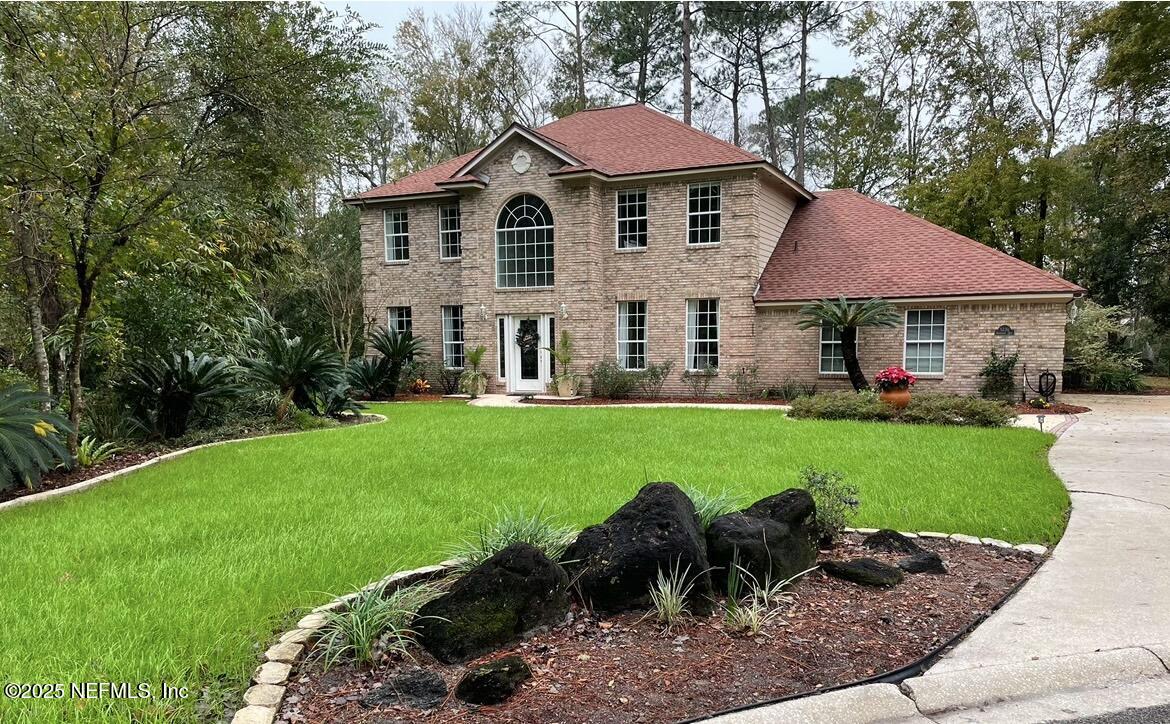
(702, 334)
(631, 335)
(926, 341)
(832, 358)
(453, 337)
(398, 319)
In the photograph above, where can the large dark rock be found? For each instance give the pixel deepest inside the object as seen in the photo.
(493, 682)
(509, 594)
(891, 541)
(794, 508)
(924, 562)
(419, 688)
(865, 571)
(768, 550)
(615, 563)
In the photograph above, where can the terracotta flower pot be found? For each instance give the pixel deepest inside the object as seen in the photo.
(899, 397)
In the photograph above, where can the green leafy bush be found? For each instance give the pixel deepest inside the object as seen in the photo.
(30, 439)
(700, 380)
(165, 392)
(999, 376)
(651, 379)
(836, 500)
(514, 527)
(747, 381)
(90, 452)
(1093, 347)
(843, 405)
(790, 389)
(611, 381)
(931, 408)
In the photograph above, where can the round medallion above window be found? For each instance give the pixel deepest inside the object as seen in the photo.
(521, 161)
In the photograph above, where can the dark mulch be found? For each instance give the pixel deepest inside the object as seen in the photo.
(643, 400)
(1058, 408)
(627, 669)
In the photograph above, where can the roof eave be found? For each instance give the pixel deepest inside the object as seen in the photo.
(367, 200)
(995, 296)
(688, 170)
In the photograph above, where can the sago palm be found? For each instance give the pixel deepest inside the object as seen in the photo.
(30, 439)
(847, 317)
(397, 348)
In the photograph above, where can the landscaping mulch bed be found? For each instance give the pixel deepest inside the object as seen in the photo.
(1058, 408)
(627, 669)
(644, 400)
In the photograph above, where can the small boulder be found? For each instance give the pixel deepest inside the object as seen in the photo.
(768, 550)
(794, 508)
(615, 562)
(891, 541)
(924, 562)
(865, 571)
(509, 594)
(493, 682)
(418, 688)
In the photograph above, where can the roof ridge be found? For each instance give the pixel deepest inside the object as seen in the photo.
(694, 130)
(967, 240)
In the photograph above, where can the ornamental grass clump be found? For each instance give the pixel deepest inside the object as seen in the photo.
(510, 527)
(371, 624)
(710, 505)
(669, 594)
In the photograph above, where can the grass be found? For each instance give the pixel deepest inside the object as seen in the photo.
(184, 570)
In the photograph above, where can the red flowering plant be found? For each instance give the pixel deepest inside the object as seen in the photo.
(893, 378)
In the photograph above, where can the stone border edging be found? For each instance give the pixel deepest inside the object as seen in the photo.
(96, 481)
(270, 680)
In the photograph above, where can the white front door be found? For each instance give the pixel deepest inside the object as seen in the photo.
(526, 361)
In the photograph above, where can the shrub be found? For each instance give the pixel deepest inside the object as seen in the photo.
(710, 506)
(844, 405)
(370, 623)
(747, 381)
(90, 452)
(699, 380)
(669, 594)
(397, 348)
(1093, 348)
(447, 379)
(473, 381)
(299, 369)
(367, 375)
(513, 527)
(337, 401)
(790, 389)
(836, 500)
(999, 376)
(651, 379)
(165, 392)
(611, 381)
(11, 377)
(30, 439)
(932, 408)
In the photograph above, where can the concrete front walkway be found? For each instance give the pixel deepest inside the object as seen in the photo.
(1089, 634)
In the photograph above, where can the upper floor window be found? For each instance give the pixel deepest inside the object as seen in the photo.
(398, 319)
(394, 222)
(450, 232)
(453, 337)
(524, 243)
(926, 341)
(631, 219)
(703, 213)
(631, 335)
(702, 334)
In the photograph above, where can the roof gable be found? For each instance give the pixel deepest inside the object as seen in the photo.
(844, 243)
(509, 133)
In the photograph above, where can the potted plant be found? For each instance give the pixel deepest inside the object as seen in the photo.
(566, 382)
(472, 381)
(893, 385)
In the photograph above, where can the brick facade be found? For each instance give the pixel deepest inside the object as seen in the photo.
(592, 276)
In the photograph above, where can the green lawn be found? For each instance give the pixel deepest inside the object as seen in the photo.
(181, 571)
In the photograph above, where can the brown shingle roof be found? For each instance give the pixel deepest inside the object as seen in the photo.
(613, 141)
(845, 243)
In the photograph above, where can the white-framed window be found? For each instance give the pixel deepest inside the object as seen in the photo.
(631, 335)
(396, 227)
(524, 244)
(398, 319)
(450, 232)
(832, 359)
(702, 334)
(926, 341)
(703, 213)
(631, 219)
(453, 337)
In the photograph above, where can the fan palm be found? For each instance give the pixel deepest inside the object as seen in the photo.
(30, 439)
(847, 317)
(397, 348)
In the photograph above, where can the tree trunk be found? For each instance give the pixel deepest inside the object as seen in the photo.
(579, 42)
(686, 59)
(849, 352)
(76, 403)
(769, 126)
(802, 110)
(26, 248)
(1041, 235)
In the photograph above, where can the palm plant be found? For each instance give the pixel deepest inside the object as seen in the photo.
(165, 392)
(368, 375)
(847, 317)
(30, 439)
(300, 370)
(397, 348)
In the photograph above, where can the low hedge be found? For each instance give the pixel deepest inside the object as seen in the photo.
(926, 408)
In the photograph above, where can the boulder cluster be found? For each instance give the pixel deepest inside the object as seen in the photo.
(613, 565)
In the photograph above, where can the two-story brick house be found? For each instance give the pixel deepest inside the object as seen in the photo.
(651, 241)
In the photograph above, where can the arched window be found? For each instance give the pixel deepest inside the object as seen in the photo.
(524, 243)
